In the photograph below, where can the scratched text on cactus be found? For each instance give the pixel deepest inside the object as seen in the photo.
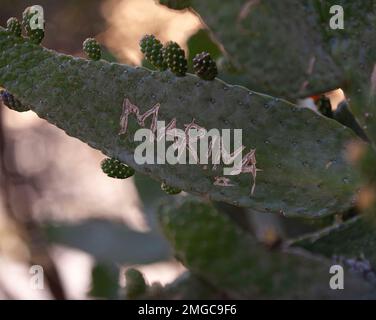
(193, 145)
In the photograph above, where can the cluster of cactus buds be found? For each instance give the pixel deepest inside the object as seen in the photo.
(35, 34)
(172, 56)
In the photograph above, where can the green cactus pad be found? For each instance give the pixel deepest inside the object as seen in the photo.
(254, 35)
(175, 58)
(152, 48)
(92, 48)
(14, 26)
(214, 249)
(318, 59)
(204, 66)
(354, 50)
(353, 238)
(115, 169)
(301, 154)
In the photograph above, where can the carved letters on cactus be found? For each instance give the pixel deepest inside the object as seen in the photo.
(248, 163)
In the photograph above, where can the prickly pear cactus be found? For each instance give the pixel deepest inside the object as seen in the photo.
(295, 162)
(254, 35)
(213, 248)
(333, 241)
(301, 154)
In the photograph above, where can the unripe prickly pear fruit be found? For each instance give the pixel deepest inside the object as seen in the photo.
(14, 26)
(35, 35)
(11, 102)
(170, 190)
(152, 49)
(204, 66)
(175, 58)
(115, 169)
(92, 49)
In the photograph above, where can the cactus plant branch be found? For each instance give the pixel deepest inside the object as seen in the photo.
(300, 153)
(334, 240)
(236, 264)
